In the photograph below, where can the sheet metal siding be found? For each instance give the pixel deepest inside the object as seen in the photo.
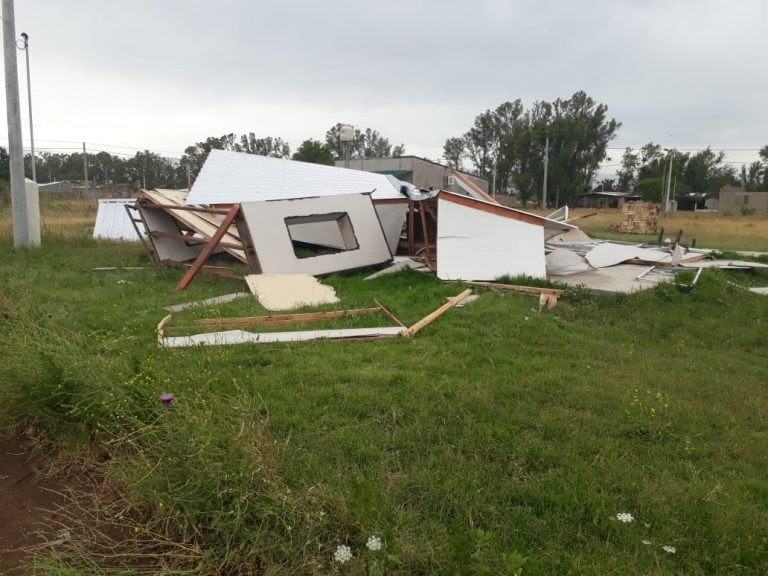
(228, 177)
(478, 245)
(112, 221)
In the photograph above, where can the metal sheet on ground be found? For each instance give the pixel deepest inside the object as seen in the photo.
(230, 337)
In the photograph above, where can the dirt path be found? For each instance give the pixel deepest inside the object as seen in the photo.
(23, 499)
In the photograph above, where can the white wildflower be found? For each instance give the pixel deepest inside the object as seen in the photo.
(625, 517)
(343, 554)
(669, 549)
(374, 544)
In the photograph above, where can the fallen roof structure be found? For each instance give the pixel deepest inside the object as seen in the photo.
(236, 177)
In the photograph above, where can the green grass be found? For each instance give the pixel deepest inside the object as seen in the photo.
(496, 435)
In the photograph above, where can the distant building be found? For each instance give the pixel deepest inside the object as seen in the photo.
(605, 199)
(735, 199)
(420, 172)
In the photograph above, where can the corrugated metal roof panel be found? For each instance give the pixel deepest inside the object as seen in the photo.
(228, 177)
(113, 222)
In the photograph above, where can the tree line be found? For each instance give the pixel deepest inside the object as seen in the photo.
(508, 145)
(146, 169)
(650, 170)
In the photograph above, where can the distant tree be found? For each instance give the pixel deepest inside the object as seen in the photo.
(195, 155)
(269, 146)
(453, 152)
(5, 165)
(510, 142)
(314, 151)
(367, 143)
(707, 172)
(752, 178)
(606, 185)
(627, 175)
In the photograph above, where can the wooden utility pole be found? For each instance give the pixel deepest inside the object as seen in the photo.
(25, 208)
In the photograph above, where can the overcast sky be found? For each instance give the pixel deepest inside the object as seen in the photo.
(163, 74)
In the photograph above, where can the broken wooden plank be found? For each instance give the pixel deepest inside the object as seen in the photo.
(536, 290)
(161, 329)
(388, 313)
(209, 247)
(427, 320)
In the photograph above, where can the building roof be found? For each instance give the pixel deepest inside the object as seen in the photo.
(228, 177)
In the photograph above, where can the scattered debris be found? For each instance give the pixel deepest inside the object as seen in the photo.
(400, 263)
(289, 291)
(242, 337)
(760, 290)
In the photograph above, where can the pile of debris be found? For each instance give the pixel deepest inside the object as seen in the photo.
(284, 223)
(280, 216)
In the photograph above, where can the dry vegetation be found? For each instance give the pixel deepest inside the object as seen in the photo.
(710, 229)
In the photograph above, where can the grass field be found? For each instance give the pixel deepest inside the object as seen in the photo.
(710, 229)
(498, 441)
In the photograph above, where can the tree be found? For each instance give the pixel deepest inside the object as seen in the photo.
(630, 163)
(707, 172)
(195, 156)
(453, 152)
(510, 142)
(269, 146)
(314, 151)
(5, 165)
(366, 143)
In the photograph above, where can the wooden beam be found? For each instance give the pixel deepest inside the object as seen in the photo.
(425, 233)
(537, 290)
(209, 270)
(388, 313)
(209, 247)
(161, 329)
(427, 320)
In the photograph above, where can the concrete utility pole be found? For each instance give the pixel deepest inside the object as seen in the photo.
(667, 205)
(24, 207)
(25, 39)
(546, 169)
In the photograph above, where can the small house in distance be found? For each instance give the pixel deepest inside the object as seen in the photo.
(422, 173)
(735, 199)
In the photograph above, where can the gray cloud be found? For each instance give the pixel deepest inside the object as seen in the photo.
(162, 74)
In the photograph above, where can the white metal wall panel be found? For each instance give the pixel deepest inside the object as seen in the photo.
(266, 223)
(112, 221)
(229, 177)
(474, 244)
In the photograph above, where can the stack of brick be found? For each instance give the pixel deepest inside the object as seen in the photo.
(640, 218)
